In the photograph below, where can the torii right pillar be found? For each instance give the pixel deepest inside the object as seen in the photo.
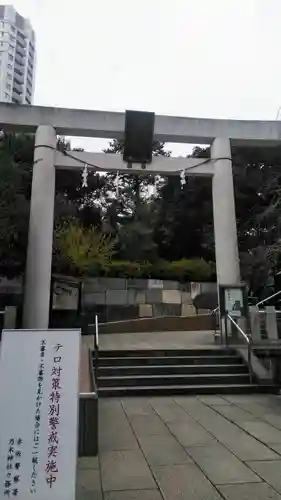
(226, 243)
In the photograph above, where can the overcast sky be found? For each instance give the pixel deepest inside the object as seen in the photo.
(204, 58)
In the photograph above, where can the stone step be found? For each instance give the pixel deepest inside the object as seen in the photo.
(169, 360)
(173, 380)
(185, 390)
(122, 353)
(109, 371)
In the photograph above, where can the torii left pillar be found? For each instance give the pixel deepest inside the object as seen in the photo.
(40, 236)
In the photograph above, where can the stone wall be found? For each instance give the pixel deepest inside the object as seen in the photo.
(117, 298)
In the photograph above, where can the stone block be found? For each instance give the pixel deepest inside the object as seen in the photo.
(171, 285)
(248, 491)
(116, 297)
(163, 450)
(148, 425)
(125, 470)
(155, 284)
(138, 284)
(88, 481)
(91, 311)
(10, 317)
(187, 310)
(269, 471)
(111, 440)
(263, 432)
(114, 283)
(171, 297)
(90, 299)
(94, 285)
(154, 296)
(166, 310)
(120, 313)
(184, 482)
(88, 463)
(208, 287)
(190, 433)
(204, 311)
(169, 411)
(247, 448)
(185, 287)
(133, 495)
(136, 297)
(145, 310)
(221, 466)
(186, 298)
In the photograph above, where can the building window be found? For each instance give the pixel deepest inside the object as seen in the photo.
(10, 66)
(8, 86)
(13, 29)
(9, 76)
(11, 58)
(12, 38)
(6, 95)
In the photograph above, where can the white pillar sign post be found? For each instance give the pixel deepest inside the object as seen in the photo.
(39, 377)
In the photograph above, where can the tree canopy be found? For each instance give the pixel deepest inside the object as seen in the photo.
(147, 221)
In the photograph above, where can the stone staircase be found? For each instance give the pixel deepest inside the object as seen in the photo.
(173, 371)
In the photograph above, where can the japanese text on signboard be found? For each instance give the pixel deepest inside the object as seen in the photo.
(54, 417)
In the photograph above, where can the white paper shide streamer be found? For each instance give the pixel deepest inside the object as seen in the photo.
(116, 183)
(85, 174)
(182, 179)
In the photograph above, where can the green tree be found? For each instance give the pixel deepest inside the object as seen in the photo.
(71, 200)
(184, 217)
(129, 214)
(83, 248)
(15, 181)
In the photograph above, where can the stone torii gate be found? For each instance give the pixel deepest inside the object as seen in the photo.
(48, 122)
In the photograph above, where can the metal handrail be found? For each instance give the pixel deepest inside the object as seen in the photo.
(96, 348)
(249, 345)
(244, 335)
(97, 330)
(268, 298)
(263, 311)
(88, 395)
(213, 313)
(215, 310)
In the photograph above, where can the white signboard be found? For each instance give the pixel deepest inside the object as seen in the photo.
(65, 296)
(195, 289)
(39, 377)
(234, 301)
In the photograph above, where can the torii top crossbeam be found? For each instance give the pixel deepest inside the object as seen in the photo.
(107, 124)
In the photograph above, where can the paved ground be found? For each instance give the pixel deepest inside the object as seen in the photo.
(186, 448)
(156, 340)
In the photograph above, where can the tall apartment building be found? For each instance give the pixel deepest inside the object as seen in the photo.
(17, 57)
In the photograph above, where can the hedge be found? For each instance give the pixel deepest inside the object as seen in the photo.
(181, 270)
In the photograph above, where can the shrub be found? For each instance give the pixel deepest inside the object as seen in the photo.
(83, 248)
(181, 270)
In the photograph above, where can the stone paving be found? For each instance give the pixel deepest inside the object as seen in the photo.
(185, 448)
(155, 340)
